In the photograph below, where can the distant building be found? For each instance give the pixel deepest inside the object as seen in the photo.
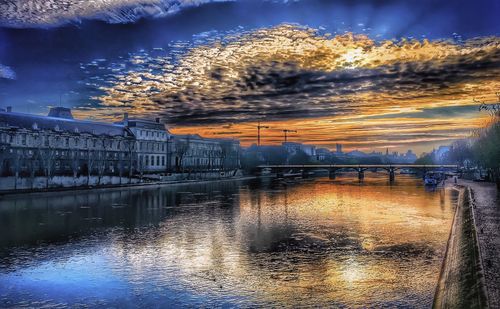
(194, 153)
(293, 148)
(357, 154)
(410, 157)
(323, 154)
(338, 148)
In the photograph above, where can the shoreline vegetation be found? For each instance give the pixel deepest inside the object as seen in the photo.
(461, 281)
(480, 153)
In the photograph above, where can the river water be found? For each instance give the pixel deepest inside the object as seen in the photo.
(234, 243)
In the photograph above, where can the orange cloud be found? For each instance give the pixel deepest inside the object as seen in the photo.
(325, 86)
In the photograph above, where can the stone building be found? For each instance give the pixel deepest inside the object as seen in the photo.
(195, 153)
(152, 144)
(58, 144)
(32, 145)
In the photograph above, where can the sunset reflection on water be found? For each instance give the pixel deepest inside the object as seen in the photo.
(264, 242)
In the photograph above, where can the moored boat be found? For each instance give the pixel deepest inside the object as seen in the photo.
(433, 178)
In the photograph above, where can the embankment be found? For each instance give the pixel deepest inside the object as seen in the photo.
(11, 185)
(461, 283)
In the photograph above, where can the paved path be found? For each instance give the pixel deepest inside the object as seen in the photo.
(487, 214)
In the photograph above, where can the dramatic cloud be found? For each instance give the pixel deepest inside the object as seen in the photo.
(293, 72)
(344, 88)
(50, 13)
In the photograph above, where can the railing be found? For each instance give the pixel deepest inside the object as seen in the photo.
(356, 166)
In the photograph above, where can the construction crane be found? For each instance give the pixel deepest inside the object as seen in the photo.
(286, 131)
(258, 132)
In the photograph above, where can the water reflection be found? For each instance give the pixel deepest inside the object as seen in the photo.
(313, 242)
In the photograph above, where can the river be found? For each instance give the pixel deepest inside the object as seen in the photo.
(250, 243)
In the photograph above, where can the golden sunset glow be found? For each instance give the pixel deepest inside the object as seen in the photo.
(345, 89)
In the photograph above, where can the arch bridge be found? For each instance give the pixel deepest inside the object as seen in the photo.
(360, 168)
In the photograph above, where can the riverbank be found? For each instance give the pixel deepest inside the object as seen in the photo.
(486, 212)
(471, 271)
(122, 186)
(460, 284)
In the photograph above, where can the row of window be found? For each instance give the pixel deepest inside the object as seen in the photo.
(147, 133)
(47, 141)
(73, 154)
(144, 146)
(58, 165)
(152, 160)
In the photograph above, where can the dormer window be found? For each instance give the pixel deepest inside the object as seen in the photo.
(56, 128)
(35, 126)
(76, 130)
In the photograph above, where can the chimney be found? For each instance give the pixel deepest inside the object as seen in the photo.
(9, 109)
(157, 120)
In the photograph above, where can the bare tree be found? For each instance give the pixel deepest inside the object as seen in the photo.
(140, 166)
(121, 160)
(17, 167)
(131, 148)
(181, 149)
(486, 148)
(226, 154)
(492, 108)
(33, 158)
(47, 155)
(102, 156)
(90, 162)
(75, 163)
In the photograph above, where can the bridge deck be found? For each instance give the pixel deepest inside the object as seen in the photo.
(333, 166)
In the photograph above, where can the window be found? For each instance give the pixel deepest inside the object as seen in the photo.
(158, 160)
(147, 160)
(163, 160)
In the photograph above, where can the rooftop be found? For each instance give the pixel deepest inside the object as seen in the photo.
(59, 123)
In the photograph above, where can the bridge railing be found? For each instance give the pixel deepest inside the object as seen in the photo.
(332, 166)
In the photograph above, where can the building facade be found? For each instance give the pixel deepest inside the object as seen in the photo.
(194, 153)
(33, 145)
(152, 141)
(58, 144)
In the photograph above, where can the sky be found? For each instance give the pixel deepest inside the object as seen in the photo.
(369, 74)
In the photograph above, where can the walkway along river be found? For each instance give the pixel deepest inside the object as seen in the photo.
(258, 242)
